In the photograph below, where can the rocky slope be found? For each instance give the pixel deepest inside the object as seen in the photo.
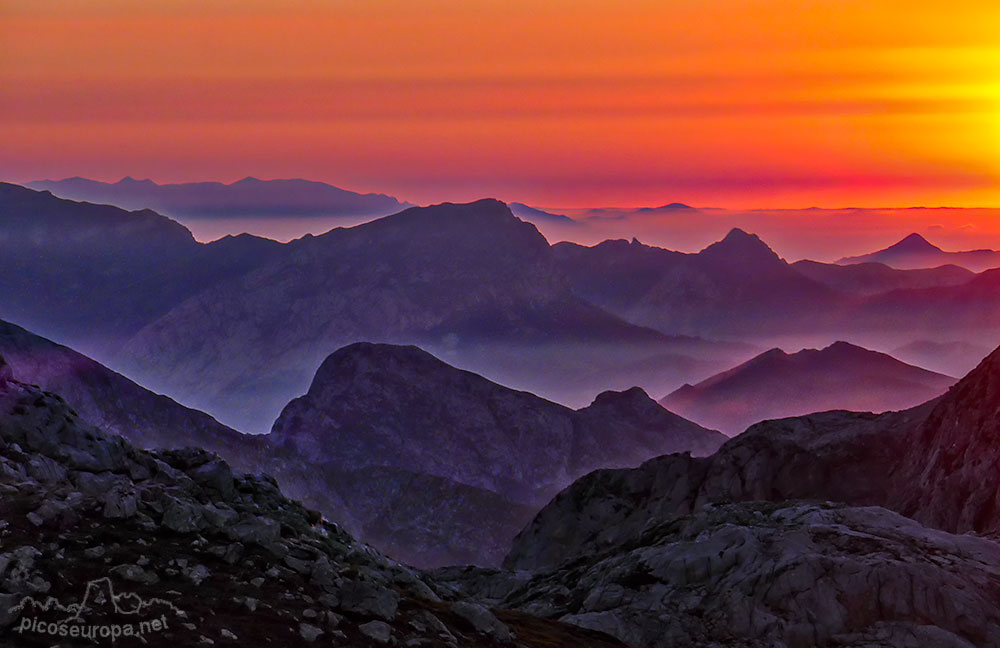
(946, 477)
(116, 404)
(838, 456)
(776, 384)
(770, 574)
(97, 533)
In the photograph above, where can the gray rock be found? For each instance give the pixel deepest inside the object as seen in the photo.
(482, 620)
(119, 504)
(256, 530)
(368, 599)
(780, 574)
(134, 574)
(182, 516)
(309, 633)
(377, 631)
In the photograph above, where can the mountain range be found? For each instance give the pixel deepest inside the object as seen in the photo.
(915, 252)
(246, 197)
(470, 283)
(776, 384)
(238, 327)
(615, 523)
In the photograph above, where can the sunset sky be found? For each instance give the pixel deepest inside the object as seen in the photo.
(730, 103)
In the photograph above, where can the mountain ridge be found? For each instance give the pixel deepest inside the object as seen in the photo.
(776, 384)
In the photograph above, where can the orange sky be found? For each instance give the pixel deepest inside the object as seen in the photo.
(735, 103)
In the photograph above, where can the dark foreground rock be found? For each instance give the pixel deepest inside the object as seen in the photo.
(95, 533)
(769, 574)
(837, 456)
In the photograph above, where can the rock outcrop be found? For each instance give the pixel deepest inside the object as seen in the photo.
(838, 456)
(769, 574)
(478, 450)
(388, 405)
(94, 530)
(946, 475)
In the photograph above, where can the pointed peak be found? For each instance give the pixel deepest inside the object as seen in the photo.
(736, 234)
(841, 345)
(915, 242)
(739, 247)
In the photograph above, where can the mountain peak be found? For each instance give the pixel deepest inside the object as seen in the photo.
(915, 243)
(739, 248)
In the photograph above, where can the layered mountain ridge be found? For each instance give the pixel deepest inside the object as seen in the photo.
(246, 197)
(914, 251)
(776, 384)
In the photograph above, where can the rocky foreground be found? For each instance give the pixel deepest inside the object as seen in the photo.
(769, 574)
(95, 533)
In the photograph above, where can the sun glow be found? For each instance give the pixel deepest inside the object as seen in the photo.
(740, 103)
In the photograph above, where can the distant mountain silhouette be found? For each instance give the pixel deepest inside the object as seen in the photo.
(874, 278)
(623, 214)
(915, 251)
(91, 274)
(246, 197)
(470, 282)
(539, 217)
(776, 384)
(735, 286)
(675, 205)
